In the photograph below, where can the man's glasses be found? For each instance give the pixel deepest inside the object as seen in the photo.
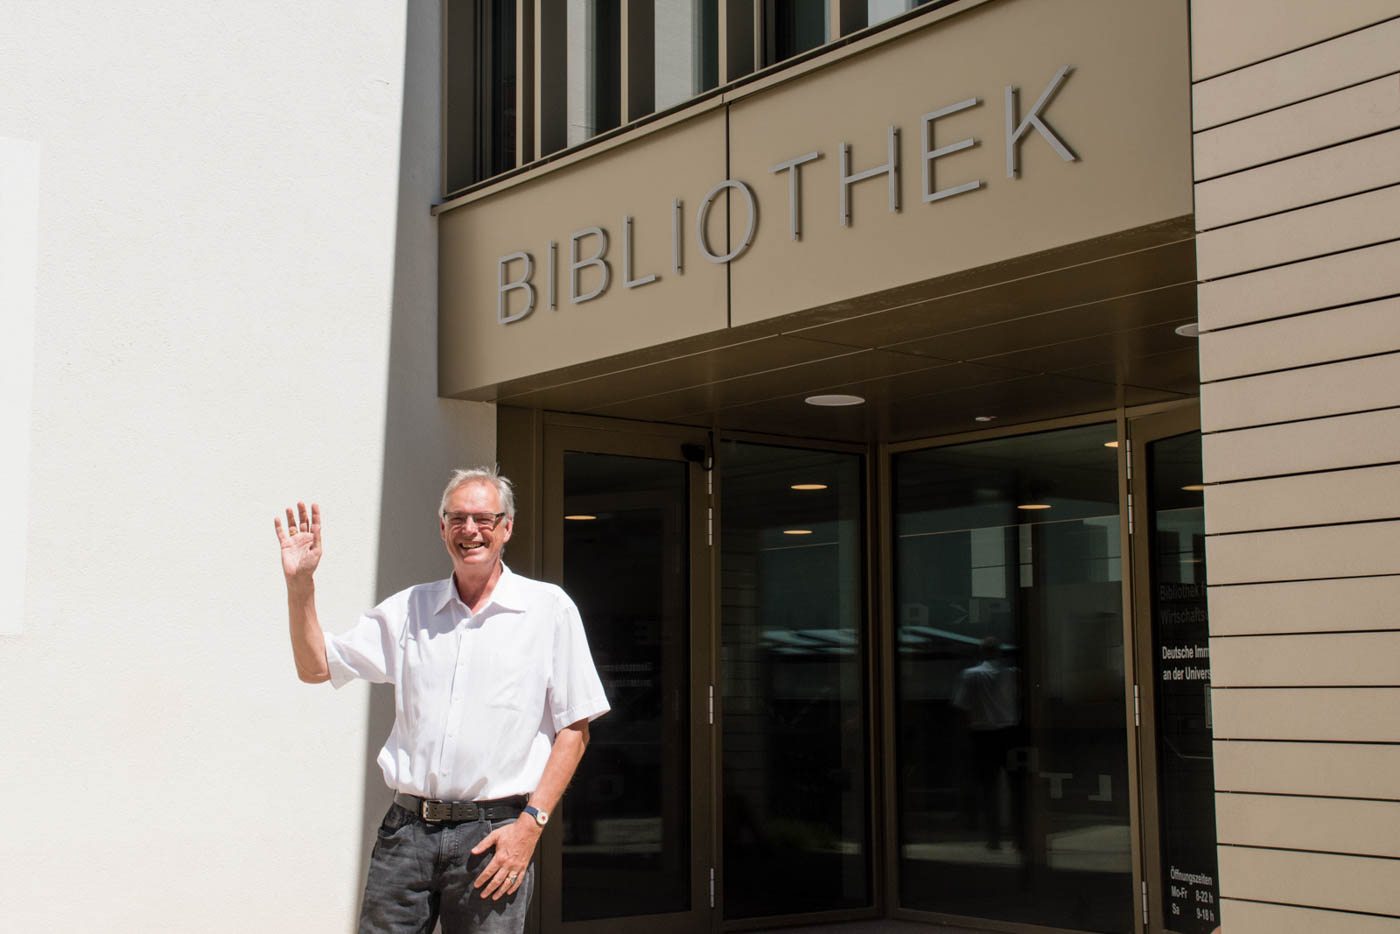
(486, 521)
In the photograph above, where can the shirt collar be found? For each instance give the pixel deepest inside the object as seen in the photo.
(507, 594)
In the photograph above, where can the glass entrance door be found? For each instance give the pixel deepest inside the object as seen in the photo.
(1012, 784)
(794, 718)
(1173, 661)
(625, 536)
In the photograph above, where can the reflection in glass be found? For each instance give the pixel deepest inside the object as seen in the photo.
(627, 818)
(1181, 658)
(686, 50)
(593, 50)
(1012, 742)
(796, 827)
(877, 11)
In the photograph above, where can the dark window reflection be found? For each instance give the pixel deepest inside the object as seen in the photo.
(480, 119)
(593, 56)
(626, 565)
(1181, 653)
(796, 828)
(1012, 743)
(792, 27)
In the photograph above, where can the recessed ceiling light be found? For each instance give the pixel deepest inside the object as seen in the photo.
(1189, 330)
(580, 518)
(1194, 487)
(1110, 444)
(984, 418)
(835, 399)
(797, 531)
(809, 486)
(1034, 506)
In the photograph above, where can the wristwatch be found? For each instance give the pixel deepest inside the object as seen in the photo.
(541, 817)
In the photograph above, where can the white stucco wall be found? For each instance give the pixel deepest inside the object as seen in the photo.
(234, 306)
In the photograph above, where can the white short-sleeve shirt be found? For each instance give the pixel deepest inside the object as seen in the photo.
(479, 697)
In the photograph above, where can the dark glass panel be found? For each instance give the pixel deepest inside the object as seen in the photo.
(627, 817)
(792, 27)
(479, 131)
(796, 824)
(1012, 742)
(1181, 658)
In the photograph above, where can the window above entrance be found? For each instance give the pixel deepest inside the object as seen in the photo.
(526, 80)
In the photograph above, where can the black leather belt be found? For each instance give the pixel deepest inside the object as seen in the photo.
(435, 811)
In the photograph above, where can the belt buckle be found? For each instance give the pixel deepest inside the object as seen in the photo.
(433, 810)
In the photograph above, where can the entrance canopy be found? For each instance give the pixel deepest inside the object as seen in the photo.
(1077, 329)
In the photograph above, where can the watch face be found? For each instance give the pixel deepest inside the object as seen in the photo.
(541, 817)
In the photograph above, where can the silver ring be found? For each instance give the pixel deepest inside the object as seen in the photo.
(511, 877)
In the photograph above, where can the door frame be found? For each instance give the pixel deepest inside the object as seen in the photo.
(1142, 431)
(560, 434)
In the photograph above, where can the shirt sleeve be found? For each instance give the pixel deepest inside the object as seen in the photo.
(369, 651)
(575, 691)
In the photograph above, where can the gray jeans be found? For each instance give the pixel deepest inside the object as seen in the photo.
(420, 873)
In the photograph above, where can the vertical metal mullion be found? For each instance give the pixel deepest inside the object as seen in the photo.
(1129, 571)
(738, 38)
(847, 16)
(879, 684)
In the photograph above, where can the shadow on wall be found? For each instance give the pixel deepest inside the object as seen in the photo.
(425, 437)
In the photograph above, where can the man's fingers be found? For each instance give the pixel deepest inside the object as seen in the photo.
(277, 526)
(316, 522)
(486, 843)
(291, 521)
(305, 523)
(505, 882)
(490, 878)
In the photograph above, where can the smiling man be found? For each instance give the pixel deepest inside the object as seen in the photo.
(494, 688)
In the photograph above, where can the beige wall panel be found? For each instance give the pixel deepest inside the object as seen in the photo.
(1365, 715)
(1329, 389)
(1332, 825)
(1302, 340)
(1344, 770)
(1343, 224)
(1317, 444)
(1305, 554)
(1228, 34)
(1306, 606)
(1362, 659)
(640, 180)
(1348, 883)
(1123, 111)
(1312, 124)
(1325, 282)
(1311, 178)
(1308, 72)
(1355, 495)
(1260, 918)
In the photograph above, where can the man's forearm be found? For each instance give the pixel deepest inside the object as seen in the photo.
(308, 641)
(564, 757)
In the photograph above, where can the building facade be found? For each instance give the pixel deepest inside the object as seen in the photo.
(969, 430)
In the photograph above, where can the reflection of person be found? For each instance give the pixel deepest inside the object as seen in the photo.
(493, 692)
(989, 694)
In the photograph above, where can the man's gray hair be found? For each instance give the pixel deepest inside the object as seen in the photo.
(488, 475)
